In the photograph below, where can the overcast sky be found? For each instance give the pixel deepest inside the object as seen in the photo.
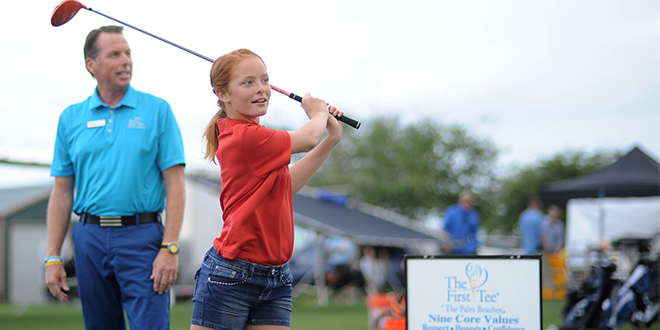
(534, 77)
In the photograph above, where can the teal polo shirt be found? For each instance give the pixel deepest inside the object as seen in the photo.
(116, 155)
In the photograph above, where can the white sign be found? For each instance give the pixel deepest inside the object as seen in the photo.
(473, 293)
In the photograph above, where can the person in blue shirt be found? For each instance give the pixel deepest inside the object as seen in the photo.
(553, 268)
(121, 151)
(530, 224)
(461, 223)
(552, 233)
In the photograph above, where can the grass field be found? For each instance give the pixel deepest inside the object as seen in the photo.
(58, 316)
(306, 316)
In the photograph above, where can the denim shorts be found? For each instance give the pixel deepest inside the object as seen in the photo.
(230, 294)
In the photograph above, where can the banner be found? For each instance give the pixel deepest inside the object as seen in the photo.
(473, 292)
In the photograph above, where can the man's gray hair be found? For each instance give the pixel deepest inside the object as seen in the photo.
(91, 49)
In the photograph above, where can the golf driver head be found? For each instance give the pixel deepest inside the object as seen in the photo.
(65, 11)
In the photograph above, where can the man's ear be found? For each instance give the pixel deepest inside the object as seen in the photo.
(89, 63)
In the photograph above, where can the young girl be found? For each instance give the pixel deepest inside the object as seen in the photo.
(244, 281)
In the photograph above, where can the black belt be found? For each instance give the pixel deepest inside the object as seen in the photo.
(119, 221)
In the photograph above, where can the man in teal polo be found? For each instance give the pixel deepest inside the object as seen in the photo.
(121, 151)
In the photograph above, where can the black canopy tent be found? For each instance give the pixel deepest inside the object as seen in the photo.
(633, 175)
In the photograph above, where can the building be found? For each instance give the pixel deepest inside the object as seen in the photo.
(23, 243)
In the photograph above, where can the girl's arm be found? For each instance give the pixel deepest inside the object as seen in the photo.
(309, 135)
(303, 170)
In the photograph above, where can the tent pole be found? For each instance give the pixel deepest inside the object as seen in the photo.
(601, 224)
(319, 271)
(601, 215)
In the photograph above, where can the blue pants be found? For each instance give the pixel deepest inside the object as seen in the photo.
(113, 266)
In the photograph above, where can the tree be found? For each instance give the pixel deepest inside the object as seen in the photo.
(411, 169)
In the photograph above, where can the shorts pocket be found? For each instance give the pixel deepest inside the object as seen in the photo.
(195, 280)
(287, 277)
(194, 297)
(224, 275)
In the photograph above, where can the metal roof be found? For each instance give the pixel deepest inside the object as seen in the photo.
(15, 199)
(366, 224)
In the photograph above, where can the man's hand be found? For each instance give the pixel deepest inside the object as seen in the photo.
(55, 275)
(164, 272)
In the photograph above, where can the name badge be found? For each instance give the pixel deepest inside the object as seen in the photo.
(96, 123)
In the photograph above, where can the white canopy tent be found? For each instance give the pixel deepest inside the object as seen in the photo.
(590, 221)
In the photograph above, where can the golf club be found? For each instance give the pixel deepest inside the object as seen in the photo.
(67, 9)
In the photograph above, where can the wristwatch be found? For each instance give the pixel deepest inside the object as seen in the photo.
(172, 248)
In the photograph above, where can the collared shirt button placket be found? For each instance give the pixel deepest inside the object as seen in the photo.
(110, 125)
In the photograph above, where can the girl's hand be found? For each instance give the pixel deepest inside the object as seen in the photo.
(334, 127)
(313, 105)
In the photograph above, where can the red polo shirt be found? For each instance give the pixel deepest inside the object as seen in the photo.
(256, 197)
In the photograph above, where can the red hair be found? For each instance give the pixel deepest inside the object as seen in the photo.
(221, 74)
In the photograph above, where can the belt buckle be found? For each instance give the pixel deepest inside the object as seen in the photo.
(109, 221)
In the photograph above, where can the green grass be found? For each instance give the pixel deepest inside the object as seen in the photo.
(58, 316)
(309, 316)
(306, 316)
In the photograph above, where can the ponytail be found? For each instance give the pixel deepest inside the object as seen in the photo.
(211, 135)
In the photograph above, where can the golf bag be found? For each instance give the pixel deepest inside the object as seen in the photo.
(583, 306)
(638, 300)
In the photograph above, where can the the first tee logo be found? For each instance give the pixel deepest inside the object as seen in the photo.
(136, 123)
(471, 287)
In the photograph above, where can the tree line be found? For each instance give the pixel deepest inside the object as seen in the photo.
(418, 169)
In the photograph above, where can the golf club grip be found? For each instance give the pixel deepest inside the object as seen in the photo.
(348, 121)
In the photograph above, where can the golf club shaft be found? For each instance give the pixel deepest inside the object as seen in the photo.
(153, 35)
(348, 121)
